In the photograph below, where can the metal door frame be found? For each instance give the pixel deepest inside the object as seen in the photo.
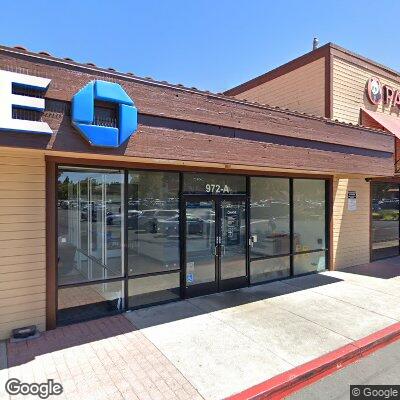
(219, 284)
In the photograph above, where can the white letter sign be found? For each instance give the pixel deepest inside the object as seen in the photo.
(8, 100)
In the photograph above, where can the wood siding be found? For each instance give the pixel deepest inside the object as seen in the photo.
(302, 89)
(166, 101)
(22, 240)
(349, 91)
(350, 236)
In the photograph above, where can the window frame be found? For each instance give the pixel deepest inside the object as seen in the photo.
(52, 167)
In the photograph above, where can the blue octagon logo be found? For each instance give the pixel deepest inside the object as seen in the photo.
(83, 114)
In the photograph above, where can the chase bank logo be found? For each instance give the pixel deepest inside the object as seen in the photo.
(83, 116)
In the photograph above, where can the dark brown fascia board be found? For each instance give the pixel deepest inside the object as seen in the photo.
(67, 63)
(323, 51)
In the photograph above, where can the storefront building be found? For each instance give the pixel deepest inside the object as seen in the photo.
(346, 87)
(118, 192)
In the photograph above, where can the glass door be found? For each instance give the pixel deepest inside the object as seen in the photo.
(200, 238)
(232, 257)
(215, 246)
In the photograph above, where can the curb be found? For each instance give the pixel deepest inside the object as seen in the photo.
(295, 379)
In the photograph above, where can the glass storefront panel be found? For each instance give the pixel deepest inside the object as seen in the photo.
(90, 225)
(309, 215)
(153, 289)
(85, 302)
(153, 222)
(233, 239)
(200, 242)
(199, 183)
(385, 219)
(269, 217)
(93, 222)
(269, 268)
(309, 262)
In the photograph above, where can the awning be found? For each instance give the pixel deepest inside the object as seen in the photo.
(389, 122)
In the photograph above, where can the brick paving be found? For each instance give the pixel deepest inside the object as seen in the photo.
(105, 359)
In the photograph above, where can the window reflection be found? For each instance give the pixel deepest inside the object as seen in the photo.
(385, 219)
(85, 302)
(309, 262)
(154, 289)
(89, 225)
(269, 268)
(269, 223)
(309, 214)
(200, 242)
(153, 222)
(269, 228)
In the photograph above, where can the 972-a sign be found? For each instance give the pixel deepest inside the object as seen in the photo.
(217, 189)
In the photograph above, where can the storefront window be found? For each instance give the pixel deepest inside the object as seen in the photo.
(85, 302)
(269, 268)
(153, 222)
(90, 224)
(309, 214)
(119, 234)
(309, 224)
(269, 228)
(216, 184)
(269, 218)
(385, 219)
(154, 289)
(309, 262)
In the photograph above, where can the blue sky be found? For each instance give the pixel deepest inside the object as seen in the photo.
(209, 44)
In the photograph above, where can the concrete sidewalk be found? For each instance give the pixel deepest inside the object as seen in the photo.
(227, 342)
(213, 346)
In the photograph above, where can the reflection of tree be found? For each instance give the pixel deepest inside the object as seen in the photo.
(63, 187)
(269, 189)
(385, 201)
(149, 186)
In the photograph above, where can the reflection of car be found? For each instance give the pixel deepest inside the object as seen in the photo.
(145, 220)
(170, 226)
(65, 204)
(133, 219)
(389, 204)
(161, 215)
(96, 209)
(375, 206)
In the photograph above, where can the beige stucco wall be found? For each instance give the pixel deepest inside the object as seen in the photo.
(22, 240)
(350, 241)
(301, 90)
(349, 83)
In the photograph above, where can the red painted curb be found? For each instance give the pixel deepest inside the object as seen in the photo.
(293, 380)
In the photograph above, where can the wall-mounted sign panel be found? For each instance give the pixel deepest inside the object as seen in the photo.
(352, 200)
(83, 114)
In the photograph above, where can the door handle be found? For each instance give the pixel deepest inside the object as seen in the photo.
(223, 249)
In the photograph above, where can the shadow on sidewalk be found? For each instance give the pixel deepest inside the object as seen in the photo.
(162, 314)
(383, 269)
(103, 328)
(67, 336)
